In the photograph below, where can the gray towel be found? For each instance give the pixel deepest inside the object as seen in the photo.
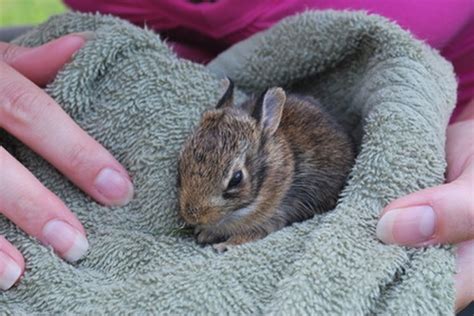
(128, 90)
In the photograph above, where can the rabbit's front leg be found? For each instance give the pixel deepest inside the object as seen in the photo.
(236, 240)
(207, 235)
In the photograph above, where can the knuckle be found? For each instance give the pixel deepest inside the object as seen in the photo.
(464, 187)
(31, 211)
(27, 212)
(8, 52)
(77, 158)
(18, 105)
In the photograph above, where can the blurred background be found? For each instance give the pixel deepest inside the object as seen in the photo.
(28, 12)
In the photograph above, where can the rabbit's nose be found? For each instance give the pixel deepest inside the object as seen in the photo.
(192, 210)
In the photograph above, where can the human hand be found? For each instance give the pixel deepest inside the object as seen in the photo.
(34, 118)
(443, 214)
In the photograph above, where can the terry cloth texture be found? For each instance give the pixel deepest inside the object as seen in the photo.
(129, 91)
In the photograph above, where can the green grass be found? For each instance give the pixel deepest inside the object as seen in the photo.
(21, 12)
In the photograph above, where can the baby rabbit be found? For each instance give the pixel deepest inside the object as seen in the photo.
(252, 169)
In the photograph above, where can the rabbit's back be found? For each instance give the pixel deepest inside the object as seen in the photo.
(323, 156)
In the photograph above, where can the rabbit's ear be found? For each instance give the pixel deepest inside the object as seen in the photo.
(269, 109)
(228, 98)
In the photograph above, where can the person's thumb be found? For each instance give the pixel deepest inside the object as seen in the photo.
(443, 214)
(41, 64)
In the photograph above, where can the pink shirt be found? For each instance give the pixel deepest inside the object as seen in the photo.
(200, 31)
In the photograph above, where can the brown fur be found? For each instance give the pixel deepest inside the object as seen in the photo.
(290, 173)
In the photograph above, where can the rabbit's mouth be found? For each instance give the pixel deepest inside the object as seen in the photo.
(238, 214)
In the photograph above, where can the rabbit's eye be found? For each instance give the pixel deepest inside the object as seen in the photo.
(178, 180)
(235, 180)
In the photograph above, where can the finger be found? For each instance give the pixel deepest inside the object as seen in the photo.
(443, 214)
(40, 213)
(34, 118)
(12, 264)
(464, 278)
(41, 64)
(459, 148)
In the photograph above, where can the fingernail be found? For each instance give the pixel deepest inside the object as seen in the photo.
(407, 226)
(65, 239)
(10, 271)
(87, 35)
(114, 186)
